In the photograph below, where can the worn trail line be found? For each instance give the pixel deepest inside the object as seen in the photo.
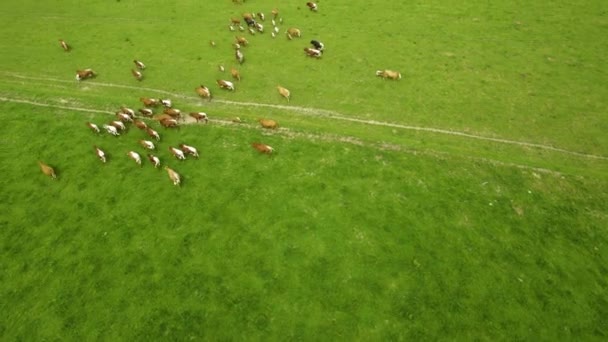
(328, 114)
(290, 134)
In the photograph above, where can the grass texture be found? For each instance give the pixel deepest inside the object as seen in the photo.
(360, 227)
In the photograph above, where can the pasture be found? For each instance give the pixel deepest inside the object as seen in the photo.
(466, 201)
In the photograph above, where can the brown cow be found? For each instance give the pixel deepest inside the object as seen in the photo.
(198, 116)
(284, 92)
(140, 124)
(312, 6)
(174, 176)
(189, 150)
(312, 52)
(100, 154)
(47, 170)
(153, 133)
(235, 74)
(139, 65)
(93, 127)
(203, 92)
(225, 84)
(169, 123)
(149, 102)
(154, 160)
(173, 112)
(137, 74)
(84, 74)
(267, 123)
(146, 112)
(240, 57)
(388, 74)
(262, 148)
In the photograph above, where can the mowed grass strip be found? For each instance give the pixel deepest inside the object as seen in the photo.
(321, 240)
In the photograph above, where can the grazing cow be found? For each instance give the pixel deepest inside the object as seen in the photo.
(241, 40)
(261, 16)
(169, 123)
(177, 153)
(235, 21)
(235, 74)
(146, 112)
(64, 45)
(111, 129)
(154, 160)
(390, 74)
(239, 56)
(152, 133)
(47, 170)
(123, 117)
(294, 32)
(317, 45)
(135, 156)
(140, 124)
(212, 43)
(267, 123)
(203, 92)
(189, 150)
(198, 116)
(93, 127)
(137, 74)
(225, 84)
(312, 6)
(166, 102)
(275, 13)
(259, 27)
(241, 28)
(262, 148)
(149, 102)
(147, 144)
(312, 52)
(84, 74)
(139, 65)
(119, 125)
(173, 112)
(284, 92)
(100, 154)
(174, 176)
(220, 68)
(128, 111)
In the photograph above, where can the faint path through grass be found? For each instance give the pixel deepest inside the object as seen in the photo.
(324, 113)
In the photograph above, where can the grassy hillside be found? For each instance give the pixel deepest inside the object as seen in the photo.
(465, 201)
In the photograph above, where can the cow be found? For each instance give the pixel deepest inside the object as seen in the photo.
(198, 116)
(240, 57)
(262, 148)
(284, 92)
(140, 124)
(119, 125)
(220, 68)
(123, 117)
(169, 123)
(241, 41)
(235, 21)
(293, 32)
(267, 123)
(149, 102)
(388, 74)
(135, 156)
(166, 102)
(312, 6)
(275, 13)
(47, 170)
(225, 84)
(212, 43)
(152, 133)
(189, 150)
(173, 112)
(100, 154)
(137, 74)
(236, 119)
(203, 92)
(161, 117)
(174, 176)
(64, 45)
(154, 160)
(261, 16)
(147, 144)
(93, 127)
(111, 129)
(177, 153)
(84, 74)
(235, 74)
(139, 65)
(317, 45)
(146, 112)
(128, 111)
(312, 52)
(259, 27)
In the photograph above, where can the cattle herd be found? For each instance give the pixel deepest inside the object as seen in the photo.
(170, 117)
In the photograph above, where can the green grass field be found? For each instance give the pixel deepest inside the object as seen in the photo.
(466, 201)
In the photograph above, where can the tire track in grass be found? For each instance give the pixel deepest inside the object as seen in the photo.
(325, 113)
(310, 136)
